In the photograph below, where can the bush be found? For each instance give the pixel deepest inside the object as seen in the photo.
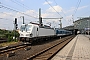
(10, 38)
(9, 35)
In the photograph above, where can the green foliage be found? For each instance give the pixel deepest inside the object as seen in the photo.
(9, 35)
(10, 38)
(2, 36)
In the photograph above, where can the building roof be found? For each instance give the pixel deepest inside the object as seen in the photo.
(69, 27)
(87, 18)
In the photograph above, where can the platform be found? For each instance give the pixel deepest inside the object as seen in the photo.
(77, 49)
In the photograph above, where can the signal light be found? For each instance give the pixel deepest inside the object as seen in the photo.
(15, 20)
(16, 26)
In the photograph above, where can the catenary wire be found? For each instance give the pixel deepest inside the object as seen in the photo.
(61, 10)
(21, 4)
(17, 11)
(79, 1)
(53, 8)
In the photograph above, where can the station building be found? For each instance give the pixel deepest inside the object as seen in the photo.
(83, 25)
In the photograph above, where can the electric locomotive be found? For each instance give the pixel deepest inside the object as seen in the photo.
(33, 32)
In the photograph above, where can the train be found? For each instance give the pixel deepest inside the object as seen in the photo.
(33, 32)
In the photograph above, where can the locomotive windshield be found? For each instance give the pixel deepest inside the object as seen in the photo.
(25, 27)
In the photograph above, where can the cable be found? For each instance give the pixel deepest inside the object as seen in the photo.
(17, 11)
(52, 7)
(61, 10)
(17, 3)
(4, 18)
(55, 2)
(21, 4)
(7, 14)
(79, 1)
(9, 6)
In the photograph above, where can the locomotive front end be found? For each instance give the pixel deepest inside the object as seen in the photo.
(25, 32)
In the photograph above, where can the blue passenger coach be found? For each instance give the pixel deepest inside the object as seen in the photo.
(62, 32)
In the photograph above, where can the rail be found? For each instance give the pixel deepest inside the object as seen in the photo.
(48, 53)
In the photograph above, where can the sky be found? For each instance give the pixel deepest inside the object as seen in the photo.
(68, 10)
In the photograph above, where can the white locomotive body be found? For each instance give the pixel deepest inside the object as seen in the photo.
(29, 32)
(33, 32)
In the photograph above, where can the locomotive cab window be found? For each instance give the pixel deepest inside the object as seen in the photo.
(25, 27)
(28, 28)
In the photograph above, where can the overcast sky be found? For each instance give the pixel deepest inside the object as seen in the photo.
(68, 9)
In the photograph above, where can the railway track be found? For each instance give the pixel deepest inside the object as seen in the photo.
(43, 51)
(12, 49)
(1, 41)
(48, 53)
